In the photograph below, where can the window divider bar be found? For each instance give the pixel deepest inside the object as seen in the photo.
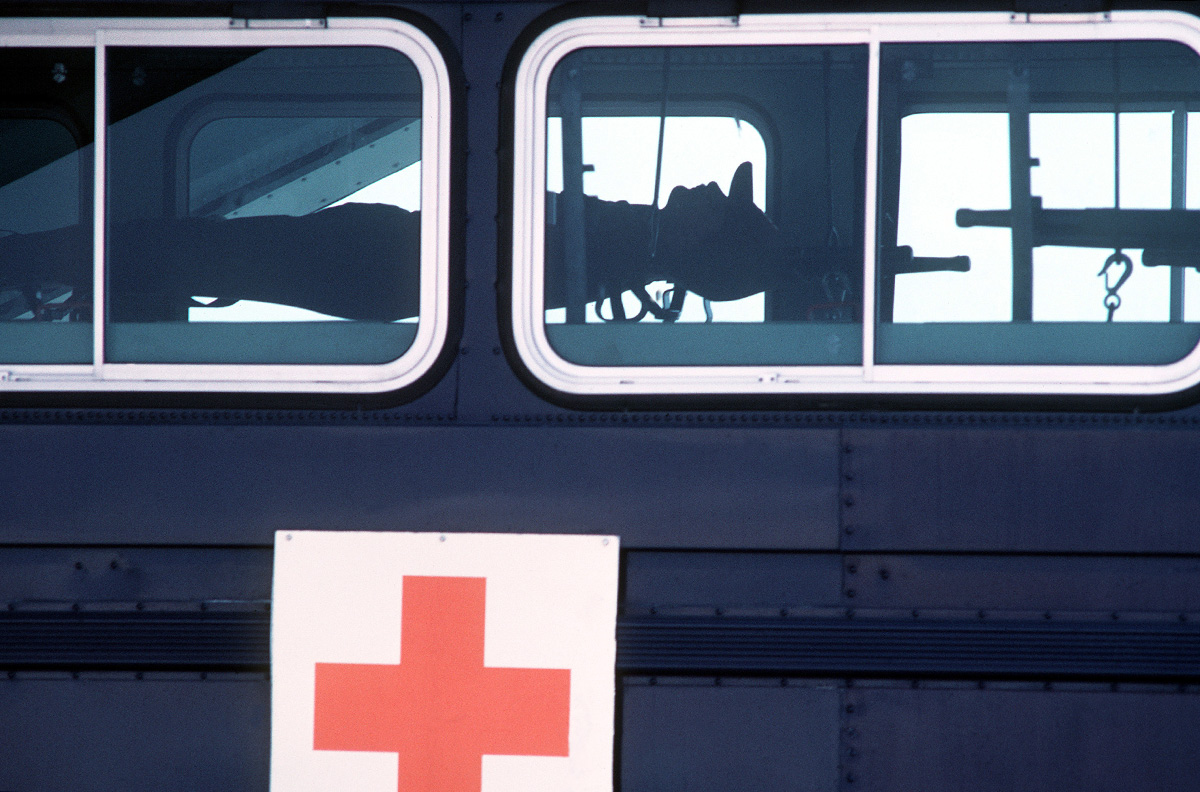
(1179, 165)
(1021, 193)
(573, 213)
(869, 208)
(99, 149)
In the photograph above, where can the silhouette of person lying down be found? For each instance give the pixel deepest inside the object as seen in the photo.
(362, 261)
(356, 261)
(716, 246)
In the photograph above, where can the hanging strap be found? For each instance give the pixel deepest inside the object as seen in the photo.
(662, 134)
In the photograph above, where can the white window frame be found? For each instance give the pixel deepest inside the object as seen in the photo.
(872, 30)
(433, 322)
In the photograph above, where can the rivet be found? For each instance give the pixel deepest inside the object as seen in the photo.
(849, 709)
(604, 542)
(848, 500)
(884, 574)
(442, 538)
(851, 593)
(79, 565)
(852, 568)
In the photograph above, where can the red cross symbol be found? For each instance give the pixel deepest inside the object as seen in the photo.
(440, 709)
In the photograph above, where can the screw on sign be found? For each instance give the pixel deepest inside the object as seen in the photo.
(440, 709)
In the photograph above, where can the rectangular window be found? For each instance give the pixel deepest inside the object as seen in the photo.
(903, 203)
(682, 239)
(265, 220)
(1055, 175)
(46, 167)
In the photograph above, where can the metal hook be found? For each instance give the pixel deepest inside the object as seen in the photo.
(1112, 301)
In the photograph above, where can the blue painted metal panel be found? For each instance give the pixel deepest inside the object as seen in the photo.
(695, 735)
(1021, 739)
(1101, 490)
(108, 732)
(237, 485)
(968, 583)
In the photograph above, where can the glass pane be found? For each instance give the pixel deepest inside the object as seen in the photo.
(47, 101)
(1034, 205)
(695, 212)
(264, 205)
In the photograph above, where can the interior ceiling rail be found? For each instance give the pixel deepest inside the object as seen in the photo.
(710, 645)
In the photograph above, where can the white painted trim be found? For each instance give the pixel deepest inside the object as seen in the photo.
(99, 192)
(556, 42)
(870, 207)
(433, 327)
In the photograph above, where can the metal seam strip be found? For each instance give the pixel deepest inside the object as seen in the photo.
(1148, 651)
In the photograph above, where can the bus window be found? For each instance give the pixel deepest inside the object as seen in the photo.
(254, 263)
(950, 204)
(1077, 257)
(671, 237)
(270, 211)
(45, 185)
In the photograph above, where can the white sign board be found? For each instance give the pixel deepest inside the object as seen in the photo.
(425, 662)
